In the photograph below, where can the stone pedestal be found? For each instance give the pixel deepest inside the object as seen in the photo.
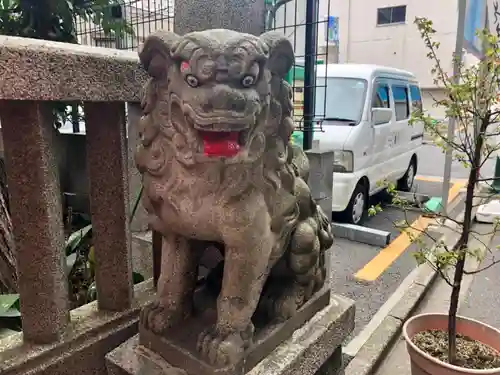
(313, 348)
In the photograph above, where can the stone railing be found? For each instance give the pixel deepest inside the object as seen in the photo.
(33, 74)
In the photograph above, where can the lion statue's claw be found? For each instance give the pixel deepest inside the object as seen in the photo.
(221, 349)
(157, 318)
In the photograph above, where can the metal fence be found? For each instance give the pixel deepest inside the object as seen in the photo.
(308, 24)
(142, 16)
(313, 32)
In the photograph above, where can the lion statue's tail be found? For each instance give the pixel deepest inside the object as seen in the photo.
(313, 235)
(302, 270)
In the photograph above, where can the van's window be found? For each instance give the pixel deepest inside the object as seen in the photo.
(401, 102)
(416, 98)
(339, 98)
(381, 96)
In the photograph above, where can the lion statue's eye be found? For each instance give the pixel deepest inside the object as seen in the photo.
(248, 81)
(192, 81)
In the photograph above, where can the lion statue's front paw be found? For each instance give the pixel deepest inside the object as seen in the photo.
(221, 348)
(157, 318)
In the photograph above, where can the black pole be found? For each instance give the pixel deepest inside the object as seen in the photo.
(157, 245)
(309, 71)
(75, 118)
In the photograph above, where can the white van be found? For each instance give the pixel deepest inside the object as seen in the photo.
(363, 112)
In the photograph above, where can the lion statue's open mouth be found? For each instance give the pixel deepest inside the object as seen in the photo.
(218, 134)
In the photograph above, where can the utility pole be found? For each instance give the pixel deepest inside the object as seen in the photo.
(457, 62)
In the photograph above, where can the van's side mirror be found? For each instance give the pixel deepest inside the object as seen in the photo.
(381, 115)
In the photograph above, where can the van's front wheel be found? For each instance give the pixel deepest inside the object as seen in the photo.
(355, 213)
(406, 182)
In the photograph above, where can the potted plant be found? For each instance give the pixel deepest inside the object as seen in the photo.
(447, 343)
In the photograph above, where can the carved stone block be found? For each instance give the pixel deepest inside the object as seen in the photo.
(219, 171)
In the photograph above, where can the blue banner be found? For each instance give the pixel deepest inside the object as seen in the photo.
(475, 19)
(332, 30)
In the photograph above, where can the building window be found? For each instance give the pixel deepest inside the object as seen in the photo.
(401, 102)
(389, 15)
(381, 97)
(416, 97)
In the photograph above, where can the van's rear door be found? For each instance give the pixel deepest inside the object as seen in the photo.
(417, 132)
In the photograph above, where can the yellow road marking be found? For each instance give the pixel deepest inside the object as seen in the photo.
(438, 179)
(374, 268)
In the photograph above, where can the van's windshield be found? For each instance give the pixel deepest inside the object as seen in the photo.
(344, 99)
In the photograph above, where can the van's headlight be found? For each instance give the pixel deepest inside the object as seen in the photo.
(343, 161)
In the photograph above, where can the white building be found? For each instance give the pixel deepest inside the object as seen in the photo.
(383, 32)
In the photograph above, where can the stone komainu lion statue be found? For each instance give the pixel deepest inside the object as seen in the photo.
(218, 166)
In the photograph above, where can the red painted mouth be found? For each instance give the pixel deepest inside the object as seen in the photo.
(220, 143)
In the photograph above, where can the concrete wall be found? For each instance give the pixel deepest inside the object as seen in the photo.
(429, 96)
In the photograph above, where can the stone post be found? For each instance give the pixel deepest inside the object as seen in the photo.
(321, 177)
(109, 203)
(35, 204)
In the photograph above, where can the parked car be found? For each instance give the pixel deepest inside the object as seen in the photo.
(364, 113)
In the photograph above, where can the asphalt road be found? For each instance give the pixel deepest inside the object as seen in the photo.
(348, 257)
(431, 163)
(481, 301)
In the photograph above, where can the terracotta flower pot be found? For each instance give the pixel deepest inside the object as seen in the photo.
(423, 364)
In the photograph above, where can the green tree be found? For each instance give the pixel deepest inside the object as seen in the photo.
(471, 98)
(55, 19)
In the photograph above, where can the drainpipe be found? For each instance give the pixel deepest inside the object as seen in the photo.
(348, 47)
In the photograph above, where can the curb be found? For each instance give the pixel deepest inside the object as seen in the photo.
(380, 340)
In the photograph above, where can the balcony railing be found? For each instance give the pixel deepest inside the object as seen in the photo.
(33, 74)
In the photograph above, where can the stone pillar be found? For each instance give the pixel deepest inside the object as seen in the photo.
(321, 178)
(109, 203)
(245, 16)
(35, 204)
